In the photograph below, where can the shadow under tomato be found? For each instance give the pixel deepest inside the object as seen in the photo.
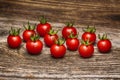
(72, 50)
(95, 44)
(14, 48)
(57, 58)
(106, 52)
(47, 46)
(86, 57)
(33, 54)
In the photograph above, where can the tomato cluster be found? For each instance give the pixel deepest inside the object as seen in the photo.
(69, 33)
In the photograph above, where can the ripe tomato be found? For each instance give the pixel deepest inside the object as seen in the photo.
(86, 49)
(68, 29)
(72, 42)
(58, 50)
(104, 45)
(29, 31)
(50, 38)
(89, 33)
(34, 46)
(43, 27)
(14, 40)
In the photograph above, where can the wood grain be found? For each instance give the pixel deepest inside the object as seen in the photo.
(17, 64)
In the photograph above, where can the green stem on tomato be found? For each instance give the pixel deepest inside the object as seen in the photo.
(87, 43)
(43, 20)
(29, 27)
(69, 24)
(60, 41)
(35, 37)
(89, 29)
(72, 35)
(103, 37)
(53, 32)
(14, 32)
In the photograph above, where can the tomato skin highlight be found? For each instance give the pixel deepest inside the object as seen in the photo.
(90, 36)
(86, 51)
(72, 44)
(50, 39)
(43, 29)
(27, 34)
(104, 45)
(14, 41)
(34, 47)
(66, 31)
(58, 51)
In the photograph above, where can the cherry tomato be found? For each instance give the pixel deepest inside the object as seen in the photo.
(29, 31)
(72, 42)
(43, 27)
(104, 45)
(34, 46)
(58, 50)
(14, 40)
(68, 29)
(50, 38)
(86, 49)
(89, 33)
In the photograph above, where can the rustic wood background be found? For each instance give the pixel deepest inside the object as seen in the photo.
(16, 64)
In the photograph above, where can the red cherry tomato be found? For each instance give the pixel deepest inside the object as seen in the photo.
(104, 45)
(68, 29)
(43, 28)
(86, 50)
(50, 38)
(29, 31)
(90, 36)
(27, 34)
(89, 33)
(14, 40)
(34, 46)
(72, 42)
(58, 50)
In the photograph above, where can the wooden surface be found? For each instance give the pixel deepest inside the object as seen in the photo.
(16, 64)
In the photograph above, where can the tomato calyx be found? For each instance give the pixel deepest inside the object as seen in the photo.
(43, 20)
(73, 36)
(29, 27)
(14, 32)
(60, 41)
(34, 37)
(52, 32)
(68, 24)
(103, 37)
(90, 29)
(87, 42)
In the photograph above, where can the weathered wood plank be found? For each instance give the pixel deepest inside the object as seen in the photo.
(97, 12)
(16, 64)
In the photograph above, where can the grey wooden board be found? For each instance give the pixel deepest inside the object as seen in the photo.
(17, 64)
